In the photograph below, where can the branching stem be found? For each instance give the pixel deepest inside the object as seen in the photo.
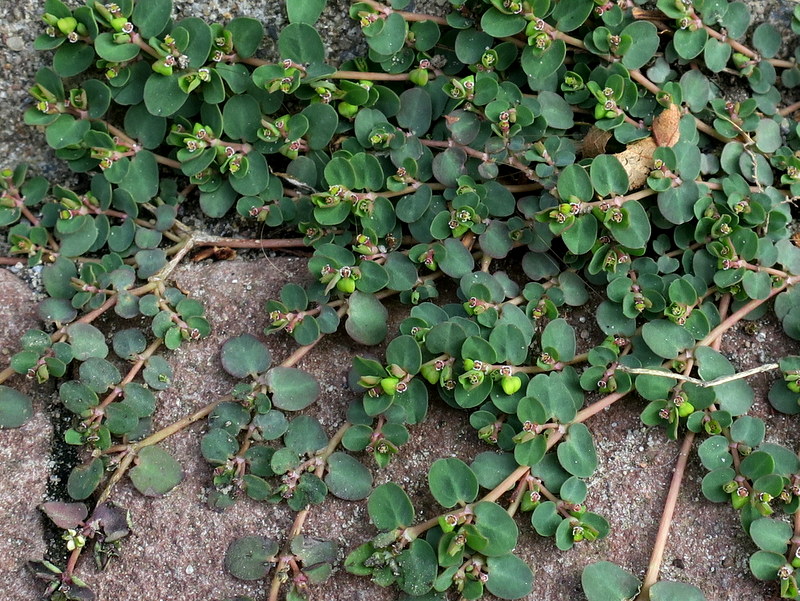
(697, 382)
(297, 527)
(660, 544)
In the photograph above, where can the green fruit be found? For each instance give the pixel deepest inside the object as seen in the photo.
(118, 23)
(530, 501)
(347, 110)
(737, 501)
(346, 285)
(67, 25)
(430, 374)
(511, 384)
(418, 77)
(162, 68)
(599, 111)
(389, 385)
(685, 409)
(447, 525)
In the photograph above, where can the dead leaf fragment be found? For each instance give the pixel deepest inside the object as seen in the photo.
(595, 142)
(637, 160)
(666, 126)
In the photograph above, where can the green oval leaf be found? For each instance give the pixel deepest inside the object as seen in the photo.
(250, 557)
(292, 389)
(509, 577)
(389, 507)
(347, 478)
(15, 408)
(83, 479)
(577, 453)
(156, 472)
(301, 43)
(244, 355)
(366, 318)
(606, 581)
(452, 481)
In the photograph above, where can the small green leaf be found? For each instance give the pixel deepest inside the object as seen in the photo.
(404, 351)
(606, 172)
(15, 408)
(304, 11)
(452, 482)
(492, 468)
(98, 374)
(714, 481)
(305, 435)
(387, 36)
(83, 479)
(151, 17)
(577, 453)
(242, 118)
(644, 36)
(765, 564)
(218, 446)
(127, 344)
(771, 535)
(244, 355)
(495, 532)
(66, 131)
(156, 472)
(247, 35)
(546, 519)
(389, 507)
(665, 338)
(419, 566)
(347, 478)
(301, 43)
(574, 182)
(766, 40)
(292, 389)
(688, 44)
(366, 318)
(559, 335)
(606, 581)
(72, 59)
(198, 41)
(509, 577)
(157, 373)
(250, 557)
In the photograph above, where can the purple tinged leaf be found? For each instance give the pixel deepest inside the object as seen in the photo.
(65, 515)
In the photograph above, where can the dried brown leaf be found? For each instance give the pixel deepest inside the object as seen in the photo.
(595, 142)
(666, 126)
(637, 160)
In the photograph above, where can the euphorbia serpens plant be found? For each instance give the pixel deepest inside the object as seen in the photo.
(510, 155)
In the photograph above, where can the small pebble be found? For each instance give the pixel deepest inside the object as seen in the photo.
(15, 43)
(190, 570)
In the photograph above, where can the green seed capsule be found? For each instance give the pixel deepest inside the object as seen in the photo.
(389, 385)
(346, 285)
(511, 384)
